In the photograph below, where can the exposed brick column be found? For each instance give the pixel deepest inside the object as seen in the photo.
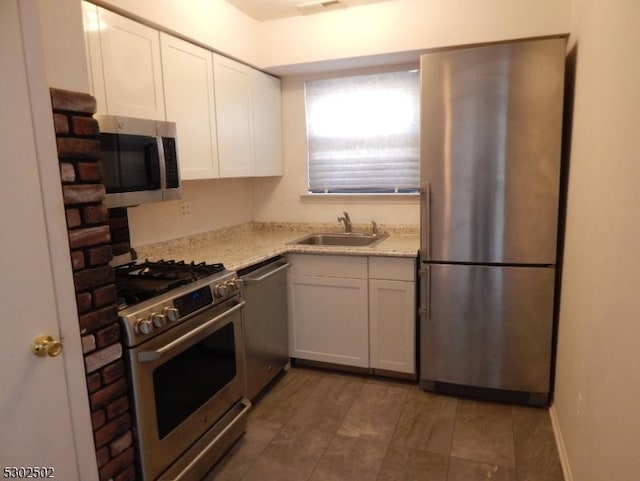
(90, 249)
(119, 230)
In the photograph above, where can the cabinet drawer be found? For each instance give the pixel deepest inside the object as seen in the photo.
(392, 268)
(328, 266)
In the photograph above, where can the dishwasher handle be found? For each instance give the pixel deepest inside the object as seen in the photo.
(248, 280)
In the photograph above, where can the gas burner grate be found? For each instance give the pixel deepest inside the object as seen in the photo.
(137, 282)
(170, 269)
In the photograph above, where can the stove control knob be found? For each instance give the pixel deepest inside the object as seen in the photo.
(158, 319)
(172, 313)
(232, 286)
(220, 290)
(143, 327)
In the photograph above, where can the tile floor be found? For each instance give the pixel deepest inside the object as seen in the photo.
(315, 425)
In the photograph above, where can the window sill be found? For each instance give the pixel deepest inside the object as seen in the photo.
(412, 198)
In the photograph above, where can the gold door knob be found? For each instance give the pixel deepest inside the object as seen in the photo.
(46, 346)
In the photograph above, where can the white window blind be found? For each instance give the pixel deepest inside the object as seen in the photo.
(363, 133)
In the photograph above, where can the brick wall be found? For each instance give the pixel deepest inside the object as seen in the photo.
(91, 250)
(119, 231)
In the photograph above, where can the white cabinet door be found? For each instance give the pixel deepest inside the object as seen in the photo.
(93, 51)
(132, 69)
(392, 320)
(234, 117)
(44, 410)
(328, 319)
(190, 102)
(392, 313)
(267, 124)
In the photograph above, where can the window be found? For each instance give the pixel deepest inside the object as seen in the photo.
(363, 133)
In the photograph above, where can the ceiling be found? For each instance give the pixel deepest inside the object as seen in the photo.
(273, 9)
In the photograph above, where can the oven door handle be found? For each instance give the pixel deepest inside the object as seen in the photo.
(147, 356)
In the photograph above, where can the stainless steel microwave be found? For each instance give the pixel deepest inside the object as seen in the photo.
(140, 160)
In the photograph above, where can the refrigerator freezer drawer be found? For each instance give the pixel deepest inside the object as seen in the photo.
(487, 326)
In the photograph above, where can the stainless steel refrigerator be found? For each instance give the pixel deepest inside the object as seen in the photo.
(490, 181)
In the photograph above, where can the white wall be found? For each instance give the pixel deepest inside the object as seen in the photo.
(214, 204)
(597, 389)
(279, 199)
(366, 37)
(403, 26)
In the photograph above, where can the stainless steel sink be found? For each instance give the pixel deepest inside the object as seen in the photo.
(352, 239)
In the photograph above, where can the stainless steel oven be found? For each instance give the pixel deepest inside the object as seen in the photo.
(187, 370)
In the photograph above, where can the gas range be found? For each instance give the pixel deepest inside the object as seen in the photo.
(183, 334)
(154, 297)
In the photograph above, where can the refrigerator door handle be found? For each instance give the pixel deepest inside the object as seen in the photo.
(425, 220)
(425, 292)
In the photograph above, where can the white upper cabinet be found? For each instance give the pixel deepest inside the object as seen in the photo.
(249, 117)
(131, 67)
(94, 54)
(190, 102)
(228, 115)
(234, 117)
(267, 124)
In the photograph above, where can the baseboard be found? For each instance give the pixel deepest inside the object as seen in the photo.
(562, 451)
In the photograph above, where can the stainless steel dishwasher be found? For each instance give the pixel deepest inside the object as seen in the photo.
(265, 321)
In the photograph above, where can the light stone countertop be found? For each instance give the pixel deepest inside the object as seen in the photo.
(247, 244)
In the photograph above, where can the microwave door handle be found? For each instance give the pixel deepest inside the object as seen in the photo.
(147, 356)
(152, 159)
(161, 163)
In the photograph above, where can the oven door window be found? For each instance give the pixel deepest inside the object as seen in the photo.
(130, 162)
(190, 379)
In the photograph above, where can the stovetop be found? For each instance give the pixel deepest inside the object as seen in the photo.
(155, 296)
(138, 282)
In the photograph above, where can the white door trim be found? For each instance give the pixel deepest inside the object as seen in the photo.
(54, 213)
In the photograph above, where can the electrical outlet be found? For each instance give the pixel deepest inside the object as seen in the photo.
(185, 209)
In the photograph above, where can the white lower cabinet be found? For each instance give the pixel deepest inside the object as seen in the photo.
(330, 319)
(328, 309)
(340, 314)
(392, 314)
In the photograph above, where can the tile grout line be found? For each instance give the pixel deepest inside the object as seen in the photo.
(453, 433)
(513, 436)
(337, 430)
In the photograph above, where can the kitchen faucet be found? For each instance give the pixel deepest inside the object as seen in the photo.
(347, 222)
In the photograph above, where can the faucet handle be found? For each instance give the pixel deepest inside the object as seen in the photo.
(374, 227)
